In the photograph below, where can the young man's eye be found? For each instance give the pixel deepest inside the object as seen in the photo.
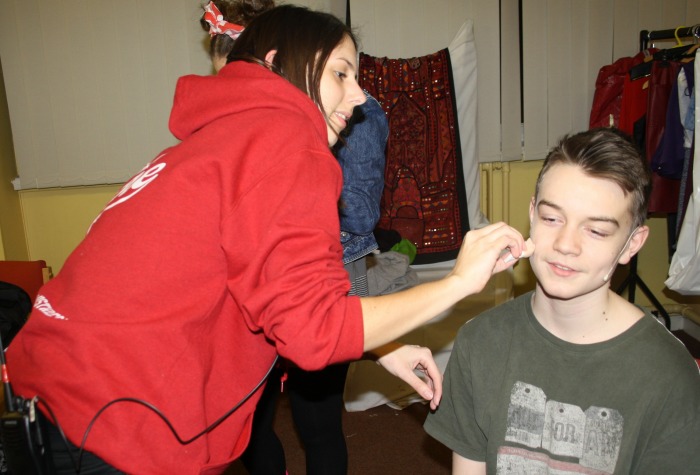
(599, 233)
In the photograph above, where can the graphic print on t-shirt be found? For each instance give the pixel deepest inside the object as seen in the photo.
(566, 439)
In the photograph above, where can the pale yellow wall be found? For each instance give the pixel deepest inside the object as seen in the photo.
(56, 219)
(506, 191)
(12, 238)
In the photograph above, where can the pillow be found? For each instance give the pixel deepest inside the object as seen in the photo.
(463, 57)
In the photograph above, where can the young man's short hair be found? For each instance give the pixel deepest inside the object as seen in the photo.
(608, 154)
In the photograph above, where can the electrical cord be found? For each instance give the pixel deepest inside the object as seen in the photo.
(212, 426)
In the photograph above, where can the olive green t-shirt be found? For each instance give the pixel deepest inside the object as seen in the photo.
(525, 401)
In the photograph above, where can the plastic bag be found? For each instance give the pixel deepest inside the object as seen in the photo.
(684, 272)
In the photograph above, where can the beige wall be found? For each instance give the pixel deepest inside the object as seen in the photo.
(12, 236)
(57, 219)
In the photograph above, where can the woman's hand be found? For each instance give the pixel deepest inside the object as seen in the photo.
(485, 252)
(403, 360)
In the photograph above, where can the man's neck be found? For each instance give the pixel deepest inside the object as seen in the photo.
(591, 318)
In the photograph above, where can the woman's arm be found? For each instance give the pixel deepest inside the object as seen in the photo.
(387, 317)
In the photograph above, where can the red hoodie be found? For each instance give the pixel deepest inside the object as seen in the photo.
(222, 251)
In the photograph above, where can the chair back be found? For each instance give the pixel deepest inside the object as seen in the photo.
(29, 275)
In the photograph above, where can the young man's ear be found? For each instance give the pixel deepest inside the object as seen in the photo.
(637, 240)
(532, 210)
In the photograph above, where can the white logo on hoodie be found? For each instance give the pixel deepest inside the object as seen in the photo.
(42, 304)
(137, 183)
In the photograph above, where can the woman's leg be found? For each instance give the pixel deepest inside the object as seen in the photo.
(265, 454)
(316, 400)
(67, 460)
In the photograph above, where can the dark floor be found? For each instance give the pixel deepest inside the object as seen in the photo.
(381, 441)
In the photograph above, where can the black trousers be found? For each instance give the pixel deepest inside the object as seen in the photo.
(62, 450)
(316, 401)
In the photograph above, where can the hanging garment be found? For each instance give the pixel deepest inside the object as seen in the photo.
(633, 108)
(684, 272)
(664, 191)
(687, 78)
(607, 99)
(424, 193)
(633, 121)
(669, 156)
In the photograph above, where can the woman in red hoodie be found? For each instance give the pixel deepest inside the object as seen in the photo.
(219, 255)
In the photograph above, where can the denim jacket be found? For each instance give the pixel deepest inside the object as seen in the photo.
(362, 161)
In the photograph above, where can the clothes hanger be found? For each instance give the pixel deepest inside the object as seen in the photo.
(675, 53)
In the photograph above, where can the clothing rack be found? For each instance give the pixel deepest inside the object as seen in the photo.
(645, 36)
(633, 279)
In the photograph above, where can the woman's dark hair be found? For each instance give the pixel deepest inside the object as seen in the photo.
(303, 40)
(239, 12)
(608, 154)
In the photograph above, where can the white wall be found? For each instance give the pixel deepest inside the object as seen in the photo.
(565, 43)
(90, 83)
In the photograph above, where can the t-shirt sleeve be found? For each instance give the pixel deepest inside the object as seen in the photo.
(454, 423)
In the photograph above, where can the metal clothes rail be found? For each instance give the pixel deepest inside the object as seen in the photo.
(646, 36)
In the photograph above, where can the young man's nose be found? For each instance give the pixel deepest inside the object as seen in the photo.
(568, 241)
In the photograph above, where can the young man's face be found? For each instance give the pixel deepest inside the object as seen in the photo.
(580, 226)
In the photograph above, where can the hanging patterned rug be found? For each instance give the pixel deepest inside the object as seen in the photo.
(424, 193)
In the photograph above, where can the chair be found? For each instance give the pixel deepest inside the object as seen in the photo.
(29, 275)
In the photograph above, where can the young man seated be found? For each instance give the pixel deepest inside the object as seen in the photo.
(572, 378)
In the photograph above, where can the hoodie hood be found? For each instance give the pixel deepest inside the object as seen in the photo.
(238, 87)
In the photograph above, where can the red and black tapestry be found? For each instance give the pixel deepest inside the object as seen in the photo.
(424, 193)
